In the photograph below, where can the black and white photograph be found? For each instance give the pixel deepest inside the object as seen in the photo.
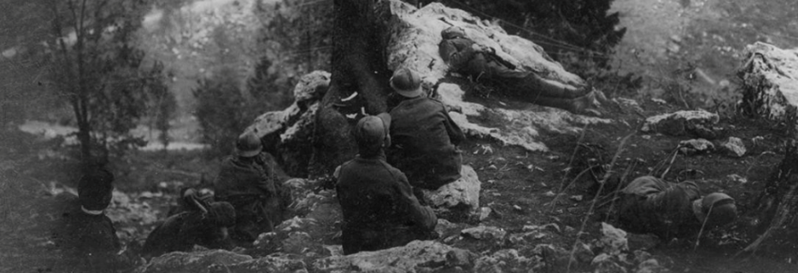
(432, 136)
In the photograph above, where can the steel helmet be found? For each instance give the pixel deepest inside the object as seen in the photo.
(248, 145)
(406, 82)
(716, 209)
(453, 32)
(373, 130)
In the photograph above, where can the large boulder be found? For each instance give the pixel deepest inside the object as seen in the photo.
(416, 256)
(288, 132)
(415, 35)
(413, 42)
(317, 221)
(770, 82)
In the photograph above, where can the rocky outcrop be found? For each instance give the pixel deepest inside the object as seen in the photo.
(615, 255)
(287, 133)
(223, 261)
(695, 146)
(770, 83)
(414, 38)
(415, 35)
(699, 123)
(460, 195)
(318, 220)
(734, 146)
(416, 256)
(508, 260)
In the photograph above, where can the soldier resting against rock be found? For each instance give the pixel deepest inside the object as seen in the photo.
(251, 185)
(671, 210)
(424, 137)
(203, 222)
(482, 64)
(379, 208)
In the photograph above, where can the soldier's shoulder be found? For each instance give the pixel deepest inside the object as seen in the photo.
(434, 101)
(348, 164)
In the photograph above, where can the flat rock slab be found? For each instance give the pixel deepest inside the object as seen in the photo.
(695, 146)
(416, 256)
(681, 123)
(485, 233)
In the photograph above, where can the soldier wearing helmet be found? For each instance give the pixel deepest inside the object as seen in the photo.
(670, 210)
(482, 64)
(423, 134)
(249, 181)
(203, 222)
(379, 208)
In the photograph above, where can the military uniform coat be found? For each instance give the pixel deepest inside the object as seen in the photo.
(379, 208)
(652, 205)
(88, 240)
(423, 139)
(461, 57)
(252, 188)
(180, 232)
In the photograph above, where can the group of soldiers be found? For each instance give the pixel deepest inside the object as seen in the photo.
(410, 148)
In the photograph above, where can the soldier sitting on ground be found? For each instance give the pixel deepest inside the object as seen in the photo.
(670, 210)
(483, 65)
(249, 182)
(203, 222)
(379, 208)
(423, 134)
(85, 232)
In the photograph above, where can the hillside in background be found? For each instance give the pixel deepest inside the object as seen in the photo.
(540, 171)
(695, 46)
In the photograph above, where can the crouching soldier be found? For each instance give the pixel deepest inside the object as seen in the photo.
(85, 232)
(423, 134)
(670, 210)
(379, 208)
(482, 64)
(203, 222)
(250, 184)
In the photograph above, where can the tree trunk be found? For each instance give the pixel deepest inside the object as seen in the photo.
(781, 180)
(358, 65)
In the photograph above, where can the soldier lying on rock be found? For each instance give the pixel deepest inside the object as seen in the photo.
(203, 222)
(424, 137)
(379, 208)
(85, 233)
(481, 63)
(670, 210)
(251, 185)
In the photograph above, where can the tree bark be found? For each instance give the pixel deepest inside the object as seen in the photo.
(358, 65)
(781, 180)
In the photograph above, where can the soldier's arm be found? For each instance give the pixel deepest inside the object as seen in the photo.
(454, 57)
(456, 135)
(422, 216)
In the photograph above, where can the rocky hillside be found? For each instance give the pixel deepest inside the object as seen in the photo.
(535, 211)
(534, 201)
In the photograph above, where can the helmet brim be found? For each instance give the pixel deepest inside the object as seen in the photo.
(408, 93)
(249, 153)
